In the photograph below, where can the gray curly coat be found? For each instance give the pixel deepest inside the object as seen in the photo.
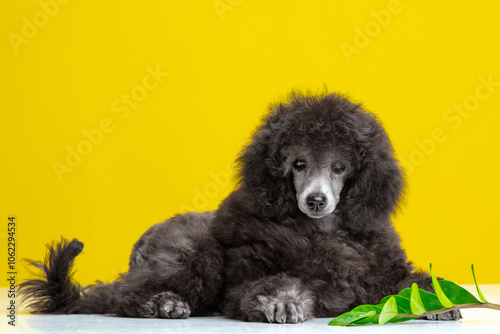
(307, 233)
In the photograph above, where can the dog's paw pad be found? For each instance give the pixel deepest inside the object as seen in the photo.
(170, 306)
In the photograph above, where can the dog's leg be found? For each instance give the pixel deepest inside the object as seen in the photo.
(279, 298)
(194, 288)
(169, 305)
(175, 271)
(166, 305)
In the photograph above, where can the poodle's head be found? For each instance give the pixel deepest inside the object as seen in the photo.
(319, 156)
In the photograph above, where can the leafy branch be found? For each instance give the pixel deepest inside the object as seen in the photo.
(413, 303)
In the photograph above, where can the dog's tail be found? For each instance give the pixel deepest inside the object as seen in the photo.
(56, 293)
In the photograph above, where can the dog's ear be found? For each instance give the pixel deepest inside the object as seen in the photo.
(268, 185)
(374, 189)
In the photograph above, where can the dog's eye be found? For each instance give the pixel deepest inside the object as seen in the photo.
(299, 164)
(338, 168)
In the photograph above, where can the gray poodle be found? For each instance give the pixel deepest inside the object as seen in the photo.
(307, 233)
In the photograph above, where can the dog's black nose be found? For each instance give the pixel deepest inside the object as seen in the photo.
(316, 201)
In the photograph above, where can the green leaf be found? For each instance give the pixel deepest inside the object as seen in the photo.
(414, 302)
(371, 313)
(477, 286)
(373, 319)
(403, 304)
(457, 294)
(389, 311)
(439, 292)
(430, 300)
(349, 317)
(402, 300)
(368, 308)
(402, 319)
(368, 320)
(417, 307)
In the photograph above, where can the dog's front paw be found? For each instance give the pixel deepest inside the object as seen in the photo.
(280, 312)
(453, 315)
(284, 307)
(168, 305)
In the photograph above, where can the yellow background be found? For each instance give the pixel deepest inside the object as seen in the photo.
(171, 152)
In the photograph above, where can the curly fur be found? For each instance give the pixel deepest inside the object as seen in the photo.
(259, 257)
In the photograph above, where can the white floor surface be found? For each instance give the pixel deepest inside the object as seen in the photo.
(475, 321)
